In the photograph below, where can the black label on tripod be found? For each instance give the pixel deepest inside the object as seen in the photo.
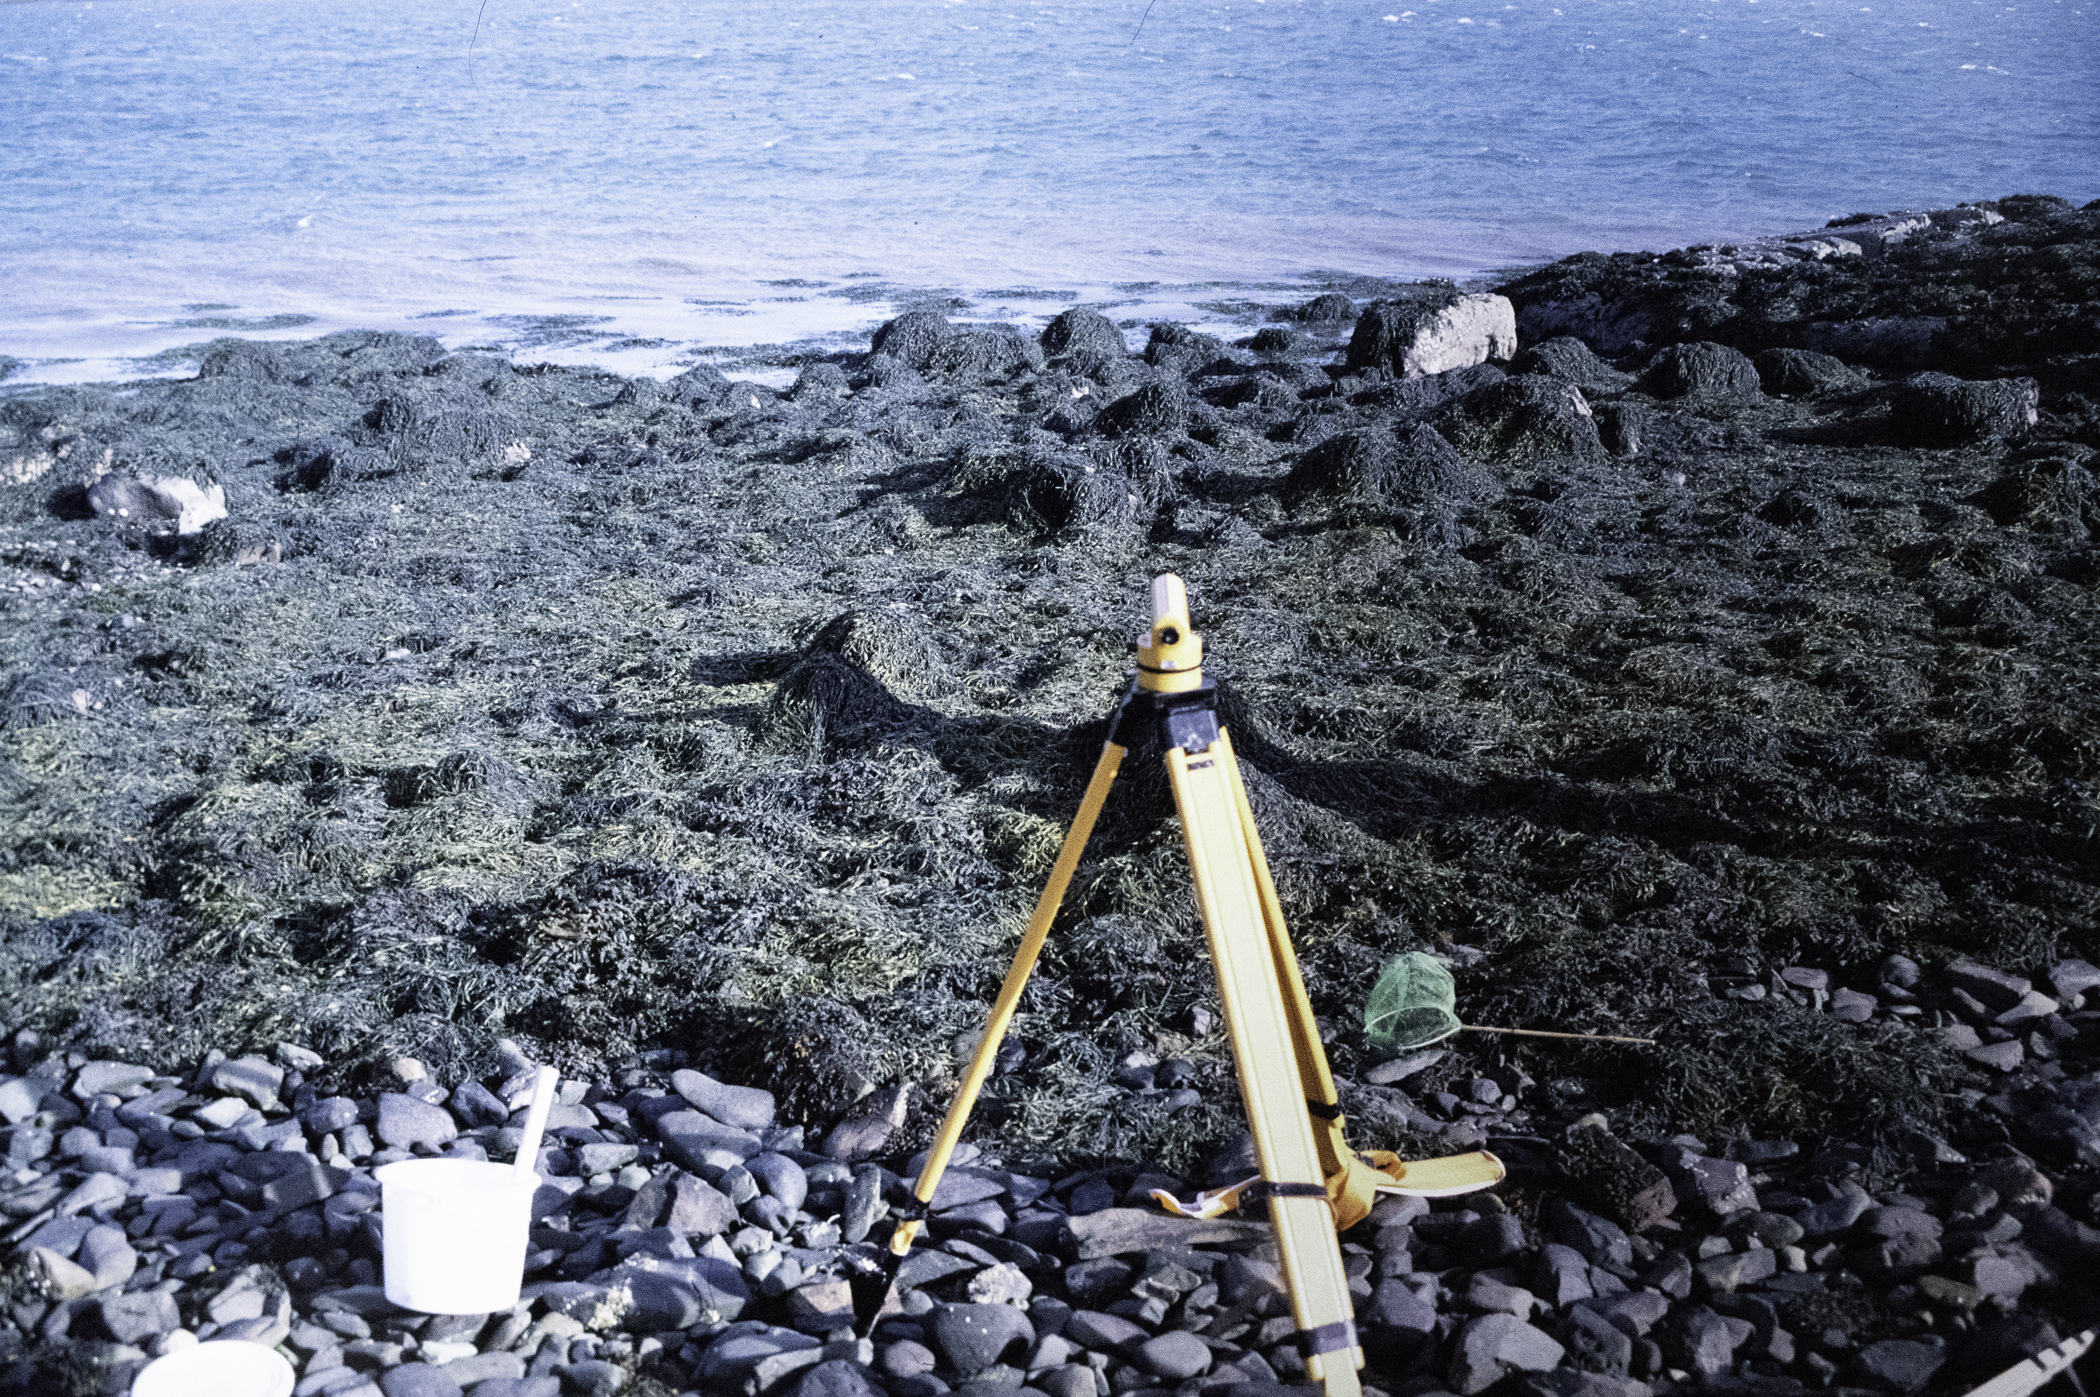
(1191, 727)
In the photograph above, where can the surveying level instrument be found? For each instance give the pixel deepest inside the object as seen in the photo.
(1314, 1184)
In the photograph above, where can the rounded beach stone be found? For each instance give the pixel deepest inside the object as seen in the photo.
(1175, 1356)
(780, 1177)
(974, 1337)
(836, 1377)
(418, 1380)
(1104, 1333)
(405, 1122)
(907, 1358)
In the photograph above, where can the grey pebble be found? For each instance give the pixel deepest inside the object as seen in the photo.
(1176, 1356)
(419, 1380)
(405, 1122)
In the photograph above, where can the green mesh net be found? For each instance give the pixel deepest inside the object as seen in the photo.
(1413, 1004)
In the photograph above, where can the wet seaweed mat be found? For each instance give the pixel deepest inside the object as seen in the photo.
(607, 714)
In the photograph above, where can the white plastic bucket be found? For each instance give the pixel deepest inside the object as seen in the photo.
(219, 1368)
(455, 1234)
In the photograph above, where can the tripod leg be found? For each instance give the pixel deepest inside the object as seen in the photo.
(1260, 1026)
(1010, 993)
(1320, 1094)
(1353, 1179)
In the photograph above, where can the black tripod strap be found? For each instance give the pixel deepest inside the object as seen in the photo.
(1328, 1338)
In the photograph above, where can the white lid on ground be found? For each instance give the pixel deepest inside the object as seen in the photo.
(220, 1368)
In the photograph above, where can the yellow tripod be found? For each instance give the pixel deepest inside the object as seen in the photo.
(1314, 1184)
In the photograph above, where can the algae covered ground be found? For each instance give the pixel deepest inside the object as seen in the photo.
(605, 715)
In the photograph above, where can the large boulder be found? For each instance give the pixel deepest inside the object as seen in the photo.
(1933, 409)
(1411, 338)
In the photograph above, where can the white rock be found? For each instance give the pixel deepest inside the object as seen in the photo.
(1472, 330)
(192, 506)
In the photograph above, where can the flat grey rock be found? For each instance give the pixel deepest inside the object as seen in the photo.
(94, 1078)
(747, 1108)
(1104, 1332)
(1491, 1347)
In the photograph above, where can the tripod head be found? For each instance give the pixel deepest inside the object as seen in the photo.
(1170, 654)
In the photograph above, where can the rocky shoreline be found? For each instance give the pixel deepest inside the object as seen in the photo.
(685, 1241)
(1698, 647)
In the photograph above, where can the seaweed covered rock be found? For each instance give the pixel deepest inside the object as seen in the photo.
(818, 383)
(888, 372)
(1077, 489)
(852, 679)
(1327, 308)
(1380, 468)
(1703, 372)
(250, 359)
(243, 543)
(1179, 350)
(895, 648)
(1800, 373)
(980, 356)
(2054, 492)
(912, 337)
(1527, 417)
(1970, 290)
(700, 386)
(1157, 409)
(1935, 409)
(1415, 395)
(1436, 332)
(1080, 330)
(1566, 357)
(425, 429)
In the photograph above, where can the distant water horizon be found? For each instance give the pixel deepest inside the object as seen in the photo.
(636, 186)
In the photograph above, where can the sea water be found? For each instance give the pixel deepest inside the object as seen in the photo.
(637, 184)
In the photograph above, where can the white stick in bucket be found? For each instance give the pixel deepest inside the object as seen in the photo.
(536, 1123)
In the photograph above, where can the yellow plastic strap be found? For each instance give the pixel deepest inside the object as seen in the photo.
(1354, 1190)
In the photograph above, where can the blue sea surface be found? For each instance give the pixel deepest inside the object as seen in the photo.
(631, 184)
